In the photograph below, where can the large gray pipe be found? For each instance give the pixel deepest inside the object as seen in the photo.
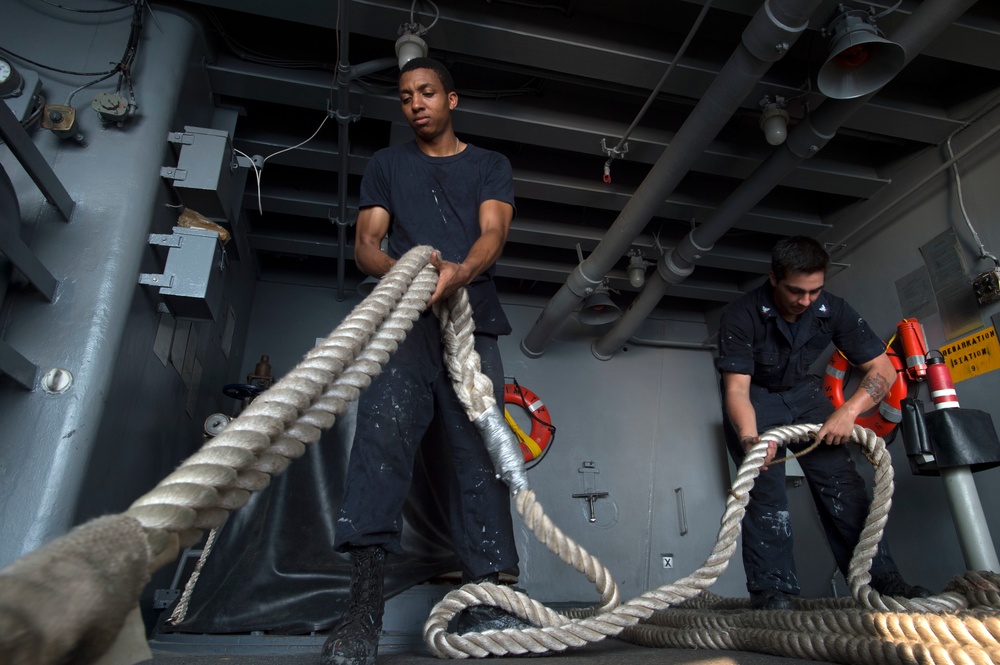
(771, 32)
(808, 138)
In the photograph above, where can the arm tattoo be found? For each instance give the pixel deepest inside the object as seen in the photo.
(876, 386)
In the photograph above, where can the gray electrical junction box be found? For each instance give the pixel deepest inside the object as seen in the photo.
(191, 283)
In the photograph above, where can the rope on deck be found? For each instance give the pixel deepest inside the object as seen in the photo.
(961, 625)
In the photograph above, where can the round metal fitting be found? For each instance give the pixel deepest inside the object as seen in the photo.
(57, 380)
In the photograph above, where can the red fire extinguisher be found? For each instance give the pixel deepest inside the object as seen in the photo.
(941, 385)
(911, 335)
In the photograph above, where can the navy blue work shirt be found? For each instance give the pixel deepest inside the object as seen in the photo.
(435, 201)
(754, 339)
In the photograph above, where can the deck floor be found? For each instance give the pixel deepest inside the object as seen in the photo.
(606, 652)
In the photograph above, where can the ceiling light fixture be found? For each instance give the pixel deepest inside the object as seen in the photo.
(409, 45)
(861, 59)
(774, 120)
(636, 268)
(598, 308)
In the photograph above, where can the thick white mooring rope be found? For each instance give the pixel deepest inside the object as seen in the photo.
(959, 626)
(275, 428)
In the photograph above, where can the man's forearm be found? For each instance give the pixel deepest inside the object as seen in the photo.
(371, 260)
(745, 422)
(874, 386)
(742, 416)
(482, 255)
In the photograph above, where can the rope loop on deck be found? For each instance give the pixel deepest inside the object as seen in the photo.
(960, 625)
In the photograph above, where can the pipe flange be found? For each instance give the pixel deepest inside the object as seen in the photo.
(670, 271)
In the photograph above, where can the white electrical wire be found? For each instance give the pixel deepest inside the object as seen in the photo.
(258, 170)
(620, 149)
(437, 15)
(983, 254)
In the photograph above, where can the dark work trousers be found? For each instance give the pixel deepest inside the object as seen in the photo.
(394, 413)
(838, 492)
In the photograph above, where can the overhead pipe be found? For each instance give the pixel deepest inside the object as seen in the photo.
(346, 74)
(343, 117)
(769, 35)
(804, 141)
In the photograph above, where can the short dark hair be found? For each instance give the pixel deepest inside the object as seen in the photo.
(429, 63)
(798, 254)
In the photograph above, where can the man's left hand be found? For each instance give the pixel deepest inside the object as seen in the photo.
(838, 428)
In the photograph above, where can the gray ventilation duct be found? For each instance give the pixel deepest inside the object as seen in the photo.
(808, 138)
(769, 35)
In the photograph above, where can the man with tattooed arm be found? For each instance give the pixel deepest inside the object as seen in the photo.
(768, 339)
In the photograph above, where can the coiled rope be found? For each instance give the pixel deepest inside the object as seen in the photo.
(961, 625)
(62, 603)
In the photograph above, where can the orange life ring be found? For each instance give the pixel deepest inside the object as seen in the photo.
(888, 414)
(532, 445)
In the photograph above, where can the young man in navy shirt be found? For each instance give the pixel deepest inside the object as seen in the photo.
(440, 191)
(768, 339)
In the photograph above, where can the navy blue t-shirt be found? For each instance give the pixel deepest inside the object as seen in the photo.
(435, 201)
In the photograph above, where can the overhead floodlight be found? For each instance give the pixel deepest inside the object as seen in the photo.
(598, 308)
(774, 120)
(861, 59)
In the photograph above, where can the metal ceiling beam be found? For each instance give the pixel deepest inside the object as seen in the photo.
(290, 201)
(318, 154)
(513, 268)
(683, 208)
(296, 243)
(856, 224)
(534, 233)
(678, 206)
(578, 46)
(529, 123)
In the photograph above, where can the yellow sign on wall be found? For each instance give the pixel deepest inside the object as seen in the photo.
(973, 355)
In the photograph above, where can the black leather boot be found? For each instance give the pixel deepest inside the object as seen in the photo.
(354, 639)
(480, 618)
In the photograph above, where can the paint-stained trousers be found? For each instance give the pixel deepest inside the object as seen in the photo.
(394, 413)
(837, 489)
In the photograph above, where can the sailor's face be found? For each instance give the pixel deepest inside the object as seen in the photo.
(425, 104)
(796, 292)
